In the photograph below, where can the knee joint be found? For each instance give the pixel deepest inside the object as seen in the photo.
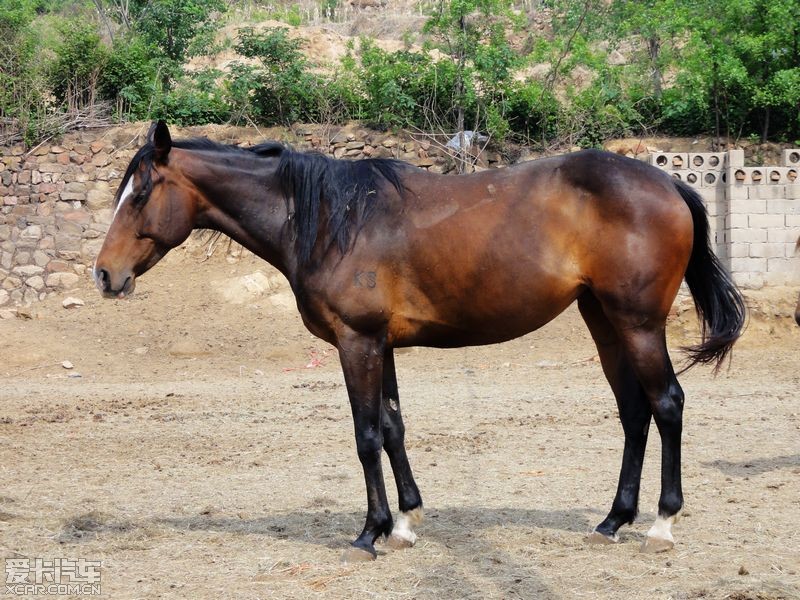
(369, 443)
(668, 407)
(393, 431)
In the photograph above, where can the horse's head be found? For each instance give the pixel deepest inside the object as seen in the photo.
(155, 210)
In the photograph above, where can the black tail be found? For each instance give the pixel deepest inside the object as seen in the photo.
(719, 303)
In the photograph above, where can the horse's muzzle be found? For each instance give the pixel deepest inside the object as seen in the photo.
(117, 285)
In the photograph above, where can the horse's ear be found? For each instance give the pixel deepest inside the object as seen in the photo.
(161, 140)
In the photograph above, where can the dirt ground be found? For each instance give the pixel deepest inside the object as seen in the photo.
(201, 447)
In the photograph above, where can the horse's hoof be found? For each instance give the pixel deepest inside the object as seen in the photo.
(601, 538)
(357, 555)
(395, 542)
(651, 545)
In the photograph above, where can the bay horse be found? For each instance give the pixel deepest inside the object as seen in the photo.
(382, 255)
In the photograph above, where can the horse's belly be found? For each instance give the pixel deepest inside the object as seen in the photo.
(438, 335)
(475, 323)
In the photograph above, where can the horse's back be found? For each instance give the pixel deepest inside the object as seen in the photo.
(491, 256)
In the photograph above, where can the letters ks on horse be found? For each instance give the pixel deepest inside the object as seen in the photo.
(382, 255)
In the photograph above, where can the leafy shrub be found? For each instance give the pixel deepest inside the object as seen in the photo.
(604, 110)
(406, 88)
(79, 59)
(284, 89)
(685, 107)
(129, 77)
(531, 111)
(24, 91)
(196, 99)
(178, 30)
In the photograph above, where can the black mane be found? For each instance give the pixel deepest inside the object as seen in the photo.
(344, 192)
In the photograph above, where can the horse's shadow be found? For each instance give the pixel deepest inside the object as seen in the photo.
(754, 466)
(467, 538)
(326, 527)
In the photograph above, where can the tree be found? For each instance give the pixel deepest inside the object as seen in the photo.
(656, 22)
(172, 26)
(473, 34)
(283, 89)
(23, 90)
(79, 60)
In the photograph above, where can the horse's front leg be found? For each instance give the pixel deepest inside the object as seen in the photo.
(403, 534)
(362, 363)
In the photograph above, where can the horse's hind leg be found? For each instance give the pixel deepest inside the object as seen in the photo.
(634, 414)
(646, 347)
(403, 535)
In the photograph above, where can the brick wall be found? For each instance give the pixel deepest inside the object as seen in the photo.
(754, 212)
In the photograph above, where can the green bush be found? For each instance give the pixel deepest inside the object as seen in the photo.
(685, 107)
(405, 89)
(283, 89)
(24, 91)
(603, 110)
(531, 111)
(195, 99)
(177, 30)
(129, 78)
(80, 57)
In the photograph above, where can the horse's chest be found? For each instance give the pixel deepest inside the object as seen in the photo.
(329, 315)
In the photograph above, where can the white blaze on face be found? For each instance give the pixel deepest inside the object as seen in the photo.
(126, 194)
(405, 523)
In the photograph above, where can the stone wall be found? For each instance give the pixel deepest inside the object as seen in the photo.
(55, 200)
(754, 211)
(54, 213)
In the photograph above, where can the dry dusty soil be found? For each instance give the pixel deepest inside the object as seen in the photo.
(201, 447)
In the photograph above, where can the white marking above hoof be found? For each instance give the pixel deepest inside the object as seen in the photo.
(601, 539)
(403, 535)
(357, 555)
(659, 537)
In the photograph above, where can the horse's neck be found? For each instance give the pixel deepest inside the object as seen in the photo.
(244, 204)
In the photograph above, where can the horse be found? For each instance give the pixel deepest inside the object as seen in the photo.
(382, 255)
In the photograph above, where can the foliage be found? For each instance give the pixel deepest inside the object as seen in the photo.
(602, 69)
(129, 77)
(23, 83)
(80, 57)
(176, 29)
(196, 100)
(405, 88)
(473, 34)
(284, 89)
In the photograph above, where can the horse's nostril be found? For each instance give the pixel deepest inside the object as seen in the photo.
(103, 279)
